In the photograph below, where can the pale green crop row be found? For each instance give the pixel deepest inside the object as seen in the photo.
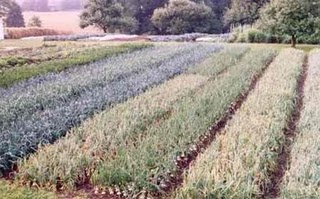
(141, 163)
(303, 178)
(238, 163)
(73, 158)
(229, 56)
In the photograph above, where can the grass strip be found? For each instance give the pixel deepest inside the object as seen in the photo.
(237, 164)
(302, 178)
(144, 163)
(15, 192)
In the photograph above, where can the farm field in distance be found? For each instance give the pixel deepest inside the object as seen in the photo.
(182, 120)
(52, 20)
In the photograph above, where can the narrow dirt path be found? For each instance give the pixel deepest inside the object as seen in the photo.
(283, 162)
(184, 161)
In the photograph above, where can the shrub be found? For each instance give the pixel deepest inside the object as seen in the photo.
(35, 22)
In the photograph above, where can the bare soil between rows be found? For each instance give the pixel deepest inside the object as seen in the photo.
(273, 189)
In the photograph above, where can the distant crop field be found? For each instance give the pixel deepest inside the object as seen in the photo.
(53, 20)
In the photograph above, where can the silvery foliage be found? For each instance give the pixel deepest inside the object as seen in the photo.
(74, 37)
(181, 38)
(40, 110)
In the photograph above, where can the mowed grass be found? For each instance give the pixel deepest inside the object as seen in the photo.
(52, 20)
(238, 163)
(303, 177)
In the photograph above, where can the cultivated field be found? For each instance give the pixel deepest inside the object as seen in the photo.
(66, 21)
(159, 120)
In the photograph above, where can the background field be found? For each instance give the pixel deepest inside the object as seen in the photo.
(62, 20)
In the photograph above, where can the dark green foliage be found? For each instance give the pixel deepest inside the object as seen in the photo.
(243, 11)
(182, 16)
(107, 15)
(296, 19)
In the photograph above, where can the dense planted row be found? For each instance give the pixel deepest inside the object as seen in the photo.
(238, 163)
(122, 123)
(303, 177)
(131, 150)
(43, 109)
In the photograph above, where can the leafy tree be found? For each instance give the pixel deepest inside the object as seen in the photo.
(218, 8)
(14, 16)
(107, 15)
(182, 16)
(35, 22)
(291, 17)
(142, 11)
(243, 11)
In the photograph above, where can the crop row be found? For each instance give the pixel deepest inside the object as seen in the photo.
(44, 110)
(119, 124)
(111, 128)
(18, 58)
(14, 75)
(238, 163)
(303, 177)
(146, 162)
(140, 152)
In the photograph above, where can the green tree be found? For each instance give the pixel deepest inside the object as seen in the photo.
(142, 11)
(182, 16)
(107, 15)
(218, 8)
(243, 11)
(14, 16)
(291, 17)
(35, 22)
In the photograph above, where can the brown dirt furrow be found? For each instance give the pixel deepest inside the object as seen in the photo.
(183, 162)
(290, 132)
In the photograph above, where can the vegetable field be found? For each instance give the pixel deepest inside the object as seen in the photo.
(174, 120)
